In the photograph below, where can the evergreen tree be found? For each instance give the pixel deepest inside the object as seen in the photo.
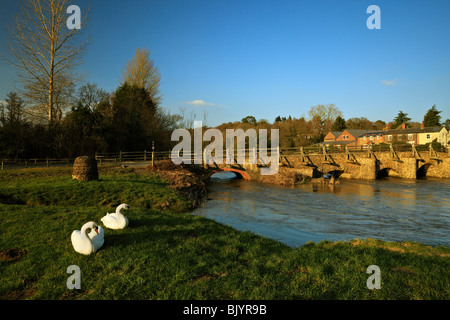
(432, 117)
(129, 121)
(12, 126)
(447, 124)
(339, 124)
(401, 117)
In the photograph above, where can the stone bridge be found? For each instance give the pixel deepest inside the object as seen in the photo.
(399, 161)
(366, 165)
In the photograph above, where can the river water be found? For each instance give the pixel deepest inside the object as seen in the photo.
(389, 209)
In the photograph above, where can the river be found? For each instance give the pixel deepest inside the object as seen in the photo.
(389, 209)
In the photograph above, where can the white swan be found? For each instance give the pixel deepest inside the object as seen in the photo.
(87, 244)
(116, 220)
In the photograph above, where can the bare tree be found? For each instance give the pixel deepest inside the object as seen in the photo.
(187, 121)
(89, 95)
(323, 117)
(361, 123)
(46, 52)
(141, 71)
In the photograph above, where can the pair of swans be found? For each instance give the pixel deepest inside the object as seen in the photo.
(87, 243)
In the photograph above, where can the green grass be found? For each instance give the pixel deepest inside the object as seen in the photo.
(171, 254)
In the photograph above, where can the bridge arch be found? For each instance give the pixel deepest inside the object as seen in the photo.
(422, 170)
(237, 172)
(387, 169)
(386, 172)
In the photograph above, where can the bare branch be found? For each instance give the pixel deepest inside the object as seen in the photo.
(41, 45)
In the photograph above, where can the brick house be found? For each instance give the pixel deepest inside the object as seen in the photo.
(420, 135)
(350, 136)
(370, 138)
(332, 136)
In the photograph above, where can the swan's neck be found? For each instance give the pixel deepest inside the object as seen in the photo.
(120, 216)
(84, 233)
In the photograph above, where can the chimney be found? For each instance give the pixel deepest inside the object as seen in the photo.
(403, 125)
(422, 126)
(388, 126)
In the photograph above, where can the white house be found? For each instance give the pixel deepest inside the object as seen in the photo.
(427, 135)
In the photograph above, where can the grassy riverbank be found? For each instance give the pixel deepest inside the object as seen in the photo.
(167, 253)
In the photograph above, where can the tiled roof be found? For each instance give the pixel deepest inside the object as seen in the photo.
(358, 133)
(374, 132)
(418, 130)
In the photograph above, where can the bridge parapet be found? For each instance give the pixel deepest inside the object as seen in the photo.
(405, 161)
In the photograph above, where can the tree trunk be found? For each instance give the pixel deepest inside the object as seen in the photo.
(50, 102)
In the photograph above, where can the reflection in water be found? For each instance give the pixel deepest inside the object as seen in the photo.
(391, 210)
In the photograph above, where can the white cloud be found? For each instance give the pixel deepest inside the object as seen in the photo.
(200, 103)
(389, 82)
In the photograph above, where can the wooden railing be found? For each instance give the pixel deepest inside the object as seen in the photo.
(34, 162)
(147, 156)
(153, 156)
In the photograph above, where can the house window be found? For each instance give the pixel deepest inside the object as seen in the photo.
(365, 138)
(428, 136)
(399, 137)
(410, 136)
(389, 137)
(371, 137)
(378, 137)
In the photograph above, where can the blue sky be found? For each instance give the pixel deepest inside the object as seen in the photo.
(235, 58)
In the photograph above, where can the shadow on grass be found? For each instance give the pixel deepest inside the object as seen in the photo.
(9, 199)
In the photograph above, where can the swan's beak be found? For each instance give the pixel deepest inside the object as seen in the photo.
(96, 230)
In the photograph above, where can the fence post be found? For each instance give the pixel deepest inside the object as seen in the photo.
(120, 156)
(2, 166)
(47, 162)
(145, 155)
(153, 158)
(26, 164)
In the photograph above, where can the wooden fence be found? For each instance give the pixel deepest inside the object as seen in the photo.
(153, 156)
